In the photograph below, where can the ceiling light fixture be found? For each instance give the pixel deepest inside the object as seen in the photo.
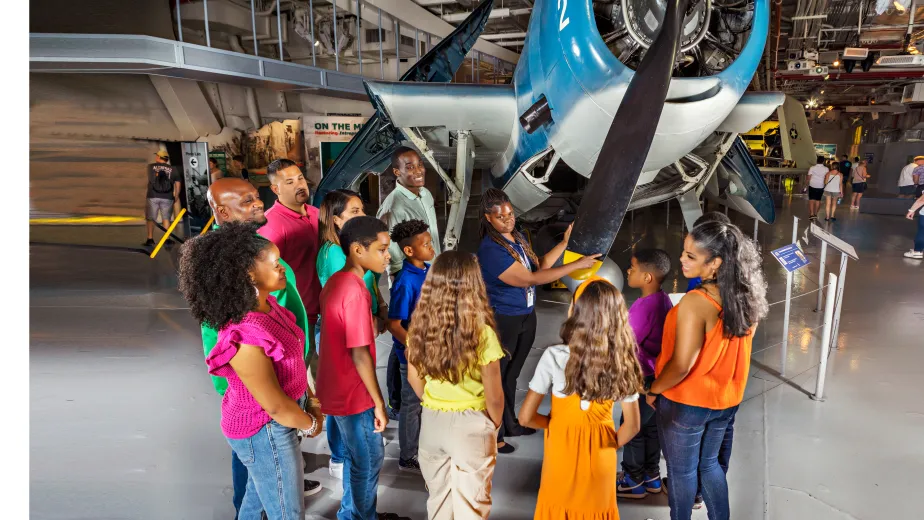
(837, 63)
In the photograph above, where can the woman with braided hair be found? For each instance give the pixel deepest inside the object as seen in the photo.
(511, 272)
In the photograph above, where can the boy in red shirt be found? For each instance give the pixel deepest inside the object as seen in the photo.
(347, 385)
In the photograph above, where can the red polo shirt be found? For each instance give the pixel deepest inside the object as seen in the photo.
(296, 236)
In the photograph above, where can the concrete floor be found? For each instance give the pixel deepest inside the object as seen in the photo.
(124, 420)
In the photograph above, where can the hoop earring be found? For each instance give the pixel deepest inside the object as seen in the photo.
(256, 292)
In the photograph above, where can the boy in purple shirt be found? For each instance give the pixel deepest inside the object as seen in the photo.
(641, 457)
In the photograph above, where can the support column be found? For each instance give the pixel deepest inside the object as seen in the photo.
(462, 178)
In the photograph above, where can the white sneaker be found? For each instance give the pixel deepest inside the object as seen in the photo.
(336, 470)
(918, 255)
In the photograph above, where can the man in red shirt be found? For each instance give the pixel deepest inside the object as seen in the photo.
(292, 224)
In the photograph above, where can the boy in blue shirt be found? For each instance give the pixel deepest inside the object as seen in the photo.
(413, 237)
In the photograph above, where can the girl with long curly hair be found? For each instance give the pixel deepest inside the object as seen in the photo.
(454, 367)
(704, 362)
(227, 276)
(595, 367)
(511, 272)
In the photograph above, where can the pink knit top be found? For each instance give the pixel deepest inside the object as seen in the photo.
(284, 342)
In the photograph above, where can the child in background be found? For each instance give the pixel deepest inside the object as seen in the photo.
(347, 385)
(641, 458)
(413, 237)
(712, 216)
(454, 366)
(595, 367)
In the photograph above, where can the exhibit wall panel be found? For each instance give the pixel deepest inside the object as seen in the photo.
(888, 161)
(90, 137)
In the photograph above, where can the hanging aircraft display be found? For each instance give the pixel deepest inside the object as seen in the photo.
(639, 101)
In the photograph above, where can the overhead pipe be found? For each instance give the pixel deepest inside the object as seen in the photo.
(776, 53)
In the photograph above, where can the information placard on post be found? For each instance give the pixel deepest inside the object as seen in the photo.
(791, 257)
(834, 242)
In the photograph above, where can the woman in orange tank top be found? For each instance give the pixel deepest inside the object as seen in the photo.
(704, 363)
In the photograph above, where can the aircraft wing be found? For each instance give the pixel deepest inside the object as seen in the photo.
(438, 110)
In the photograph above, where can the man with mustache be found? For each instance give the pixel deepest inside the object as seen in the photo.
(236, 200)
(292, 224)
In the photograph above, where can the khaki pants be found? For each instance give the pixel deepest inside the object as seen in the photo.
(457, 454)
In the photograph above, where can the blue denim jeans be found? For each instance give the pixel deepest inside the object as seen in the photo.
(691, 438)
(275, 474)
(337, 454)
(239, 481)
(363, 457)
(409, 419)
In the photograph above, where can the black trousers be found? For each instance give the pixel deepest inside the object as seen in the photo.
(642, 455)
(393, 381)
(517, 334)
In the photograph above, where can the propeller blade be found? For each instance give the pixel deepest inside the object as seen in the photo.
(616, 172)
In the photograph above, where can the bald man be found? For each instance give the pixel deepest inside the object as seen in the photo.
(236, 200)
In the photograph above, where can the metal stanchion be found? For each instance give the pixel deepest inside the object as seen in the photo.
(821, 272)
(839, 304)
(336, 41)
(253, 28)
(788, 305)
(314, 58)
(833, 281)
(179, 23)
(279, 27)
(755, 229)
(205, 15)
(668, 212)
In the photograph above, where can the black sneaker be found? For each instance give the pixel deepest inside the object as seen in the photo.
(410, 465)
(149, 242)
(506, 449)
(698, 502)
(391, 516)
(169, 242)
(392, 416)
(312, 487)
(520, 431)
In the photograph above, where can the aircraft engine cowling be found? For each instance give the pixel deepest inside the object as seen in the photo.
(714, 32)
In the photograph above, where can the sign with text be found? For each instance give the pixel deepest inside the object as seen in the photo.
(326, 129)
(791, 257)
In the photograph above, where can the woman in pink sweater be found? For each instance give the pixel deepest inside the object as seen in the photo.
(227, 276)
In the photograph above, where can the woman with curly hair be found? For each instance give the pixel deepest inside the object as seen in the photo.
(595, 367)
(704, 362)
(511, 273)
(454, 367)
(226, 277)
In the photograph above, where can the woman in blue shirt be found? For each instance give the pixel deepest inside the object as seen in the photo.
(511, 272)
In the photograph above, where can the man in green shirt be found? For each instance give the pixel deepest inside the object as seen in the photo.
(409, 201)
(236, 200)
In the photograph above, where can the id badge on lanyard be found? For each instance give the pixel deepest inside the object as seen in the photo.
(531, 290)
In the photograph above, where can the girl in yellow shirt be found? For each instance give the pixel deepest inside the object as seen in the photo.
(454, 367)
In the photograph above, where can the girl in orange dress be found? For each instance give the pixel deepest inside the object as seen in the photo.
(595, 367)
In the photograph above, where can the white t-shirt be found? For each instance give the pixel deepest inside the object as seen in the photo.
(905, 178)
(817, 175)
(550, 375)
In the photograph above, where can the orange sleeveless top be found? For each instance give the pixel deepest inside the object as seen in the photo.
(720, 373)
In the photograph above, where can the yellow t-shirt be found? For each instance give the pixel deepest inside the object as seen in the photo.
(469, 393)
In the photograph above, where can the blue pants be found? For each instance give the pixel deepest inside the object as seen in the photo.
(919, 237)
(239, 481)
(363, 456)
(691, 438)
(275, 474)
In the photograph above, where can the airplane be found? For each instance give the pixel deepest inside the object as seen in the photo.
(633, 138)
